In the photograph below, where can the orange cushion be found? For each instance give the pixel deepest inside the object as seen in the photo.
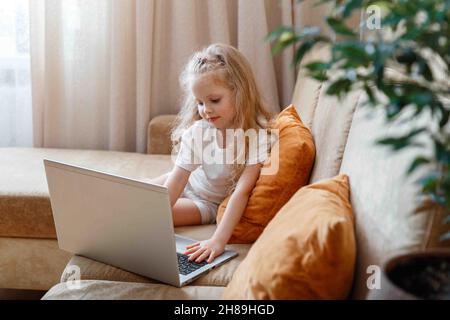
(295, 160)
(307, 251)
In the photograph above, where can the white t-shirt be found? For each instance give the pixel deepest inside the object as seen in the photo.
(201, 154)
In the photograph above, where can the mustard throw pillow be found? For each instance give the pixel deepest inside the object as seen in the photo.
(307, 251)
(295, 161)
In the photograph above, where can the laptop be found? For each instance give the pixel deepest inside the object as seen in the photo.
(122, 222)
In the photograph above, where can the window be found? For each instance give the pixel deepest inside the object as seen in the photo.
(15, 79)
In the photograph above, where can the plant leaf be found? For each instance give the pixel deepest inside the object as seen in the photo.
(445, 117)
(339, 86)
(398, 143)
(283, 43)
(350, 6)
(317, 70)
(353, 53)
(429, 183)
(318, 66)
(276, 33)
(442, 153)
(417, 162)
(302, 50)
(339, 27)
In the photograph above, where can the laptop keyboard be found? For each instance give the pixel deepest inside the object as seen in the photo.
(185, 266)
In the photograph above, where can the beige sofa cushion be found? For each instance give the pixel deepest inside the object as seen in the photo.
(25, 209)
(306, 91)
(33, 264)
(94, 270)
(390, 217)
(328, 118)
(330, 127)
(111, 290)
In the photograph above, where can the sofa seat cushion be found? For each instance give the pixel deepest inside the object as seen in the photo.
(330, 127)
(31, 264)
(25, 209)
(94, 270)
(112, 290)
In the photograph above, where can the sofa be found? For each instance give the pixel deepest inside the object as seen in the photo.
(390, 217)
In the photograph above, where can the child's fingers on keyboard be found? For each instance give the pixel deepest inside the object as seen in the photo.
(203, 256)
(193, 245)
(190, 250)
(211, 256)
(198, 252)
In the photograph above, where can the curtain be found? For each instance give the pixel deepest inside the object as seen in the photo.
(15, 82)
(83, 57)
(102, 69)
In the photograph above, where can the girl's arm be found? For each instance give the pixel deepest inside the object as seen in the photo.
(209, 249)
(175, 183)
(238, 203)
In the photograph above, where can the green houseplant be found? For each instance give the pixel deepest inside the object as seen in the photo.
(412, 36)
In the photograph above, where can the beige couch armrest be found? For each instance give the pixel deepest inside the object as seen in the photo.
(158, 134)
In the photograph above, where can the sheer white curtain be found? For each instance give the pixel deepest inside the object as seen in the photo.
(102, 69)
(15, 82)
(84, 73)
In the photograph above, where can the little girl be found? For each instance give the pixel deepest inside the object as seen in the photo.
(220, 94)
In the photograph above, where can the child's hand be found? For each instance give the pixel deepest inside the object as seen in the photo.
(207, 249)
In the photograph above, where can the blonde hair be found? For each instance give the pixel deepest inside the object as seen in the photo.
(230, 68)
